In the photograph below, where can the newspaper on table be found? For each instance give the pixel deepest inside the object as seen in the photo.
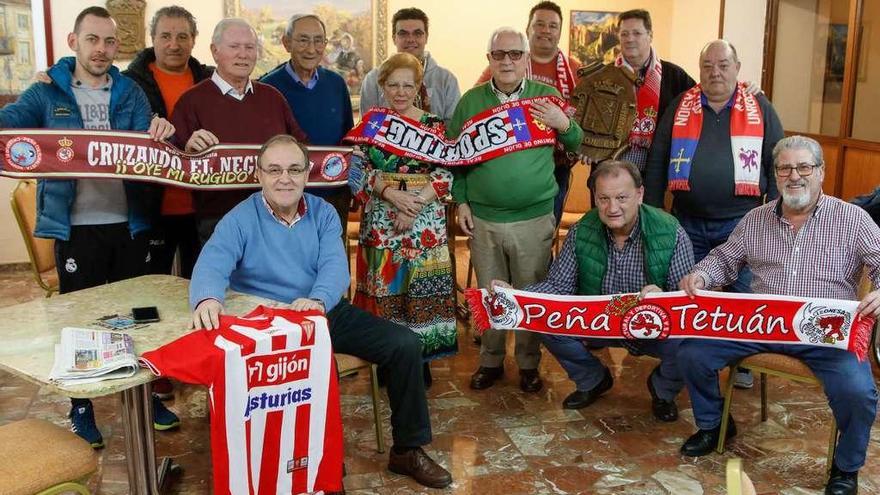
(86, 355)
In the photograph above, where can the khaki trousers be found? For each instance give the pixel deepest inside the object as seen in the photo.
(518, 253)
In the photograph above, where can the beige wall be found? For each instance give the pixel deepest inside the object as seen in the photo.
(740, 19)
(11, 246)
(207, 14)
(693, 24)
(458, 42)
(799, 105)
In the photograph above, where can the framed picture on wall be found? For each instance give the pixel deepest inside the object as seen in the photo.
(23, 44)
(593, 37)
(356, 30)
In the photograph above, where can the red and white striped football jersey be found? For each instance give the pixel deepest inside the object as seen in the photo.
(271, 377)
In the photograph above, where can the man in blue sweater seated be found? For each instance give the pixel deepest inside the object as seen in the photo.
(283, 244)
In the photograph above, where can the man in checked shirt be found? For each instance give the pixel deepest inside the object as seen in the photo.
(805, 244)
(621, 246)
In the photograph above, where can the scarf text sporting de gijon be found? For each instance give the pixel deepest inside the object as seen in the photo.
(499, 130)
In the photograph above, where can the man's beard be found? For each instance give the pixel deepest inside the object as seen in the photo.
(796, 201)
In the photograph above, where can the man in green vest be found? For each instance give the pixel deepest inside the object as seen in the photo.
(621, 246)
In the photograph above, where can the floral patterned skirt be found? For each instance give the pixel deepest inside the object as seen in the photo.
(416, 293)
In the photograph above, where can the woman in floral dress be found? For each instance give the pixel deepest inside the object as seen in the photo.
(403, 267)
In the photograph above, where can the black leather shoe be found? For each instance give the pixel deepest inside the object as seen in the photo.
(703, 442)
(664, 410)
(485, 377)
(842, 482)
(529, 381)
(580, 399)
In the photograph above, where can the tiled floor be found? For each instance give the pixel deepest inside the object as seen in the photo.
(500, 441)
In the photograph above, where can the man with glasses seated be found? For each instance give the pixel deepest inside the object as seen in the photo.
(506, 203)
(805, 244)
(318, 97)
(282, 244)
(439, 91)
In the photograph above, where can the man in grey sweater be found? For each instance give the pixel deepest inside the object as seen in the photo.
(439, 92)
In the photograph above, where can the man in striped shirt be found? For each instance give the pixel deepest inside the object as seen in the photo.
(805, 244)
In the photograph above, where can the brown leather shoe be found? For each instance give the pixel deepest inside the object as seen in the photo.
(530, 381)
(485, 377)
(416, 464)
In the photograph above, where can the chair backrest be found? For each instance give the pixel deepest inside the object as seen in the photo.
(24, 206)
(578, 198)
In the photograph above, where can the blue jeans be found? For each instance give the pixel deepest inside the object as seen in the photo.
(707, 233)
(848, 385)
(586, 370)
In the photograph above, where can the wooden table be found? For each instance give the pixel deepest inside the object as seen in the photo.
(31, 330)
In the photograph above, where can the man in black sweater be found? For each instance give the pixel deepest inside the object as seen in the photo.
(164, 71)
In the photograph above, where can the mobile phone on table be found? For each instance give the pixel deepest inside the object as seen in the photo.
(148, 314)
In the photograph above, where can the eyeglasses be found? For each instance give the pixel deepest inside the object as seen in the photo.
(632, 34)
(277, 172)
(803, 169)
(304, 42)
(499, 55)
(395, 86)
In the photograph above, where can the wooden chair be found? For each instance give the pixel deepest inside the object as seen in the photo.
(453, 236)
(37, 457)
(352, 233)
(577, 202)
(41, 252)
(776, 365)
(738, 482)
(346, 365)
(785, 367)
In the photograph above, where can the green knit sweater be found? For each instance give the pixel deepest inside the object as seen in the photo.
(516, 186)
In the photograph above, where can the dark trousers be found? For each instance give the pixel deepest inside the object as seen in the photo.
(100, 254)
(96, 255)
(397, 349)
(205, 228)
(848, 384)
(587, 371)
(173, 233)
(706, 234)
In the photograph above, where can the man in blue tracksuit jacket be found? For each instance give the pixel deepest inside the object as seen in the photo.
(97, 224)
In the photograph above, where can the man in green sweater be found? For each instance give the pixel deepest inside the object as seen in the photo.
(506, 204)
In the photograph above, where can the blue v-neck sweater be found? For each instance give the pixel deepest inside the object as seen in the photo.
(252, 252)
